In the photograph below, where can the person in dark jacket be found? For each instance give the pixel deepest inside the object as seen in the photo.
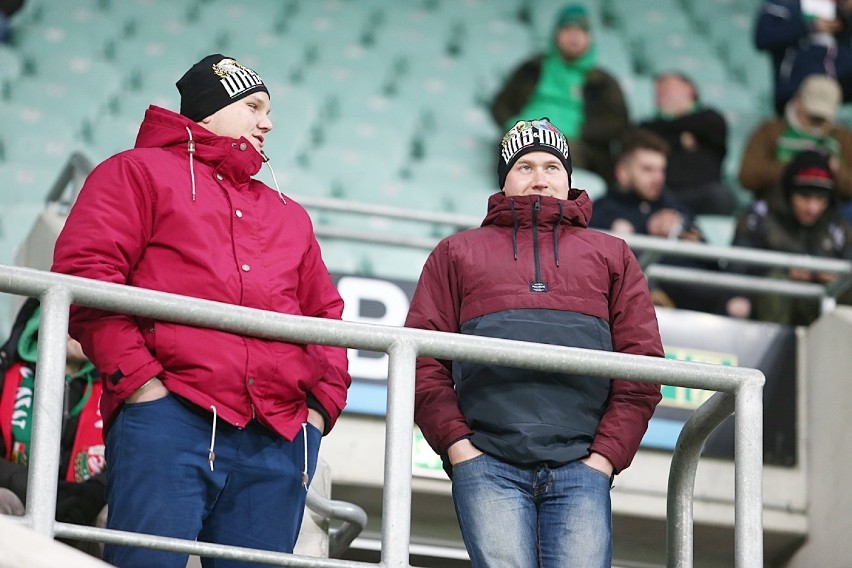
(799, 216)
(698, 142)
(210, 435)
(7, 9)
(81, 495)
(641, 203)
(803, 43)
(503, 433)
(565, 84)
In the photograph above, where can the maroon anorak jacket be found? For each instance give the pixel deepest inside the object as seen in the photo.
(534, 272)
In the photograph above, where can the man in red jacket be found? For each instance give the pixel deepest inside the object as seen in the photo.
(209, 435)
(532, 454)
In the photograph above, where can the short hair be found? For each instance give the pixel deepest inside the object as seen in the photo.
(683, 77)
(642, 139)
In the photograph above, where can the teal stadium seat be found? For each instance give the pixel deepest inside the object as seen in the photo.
(28, 182)
(589, 181)
(717, 229)
(11, 68)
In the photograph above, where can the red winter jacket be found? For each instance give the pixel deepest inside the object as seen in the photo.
(156, 217)
(533, 271)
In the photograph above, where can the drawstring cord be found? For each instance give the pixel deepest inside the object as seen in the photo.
(190, 146)
(556, 225)
(211, 455)
(514, 229)
(305, 468)
(274, 179)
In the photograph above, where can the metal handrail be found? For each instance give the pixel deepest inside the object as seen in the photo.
(651, 248)
(403, 345)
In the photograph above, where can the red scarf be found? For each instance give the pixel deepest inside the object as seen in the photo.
(87, 453)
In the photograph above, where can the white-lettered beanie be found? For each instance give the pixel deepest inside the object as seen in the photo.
(532, 136)
(213, 83)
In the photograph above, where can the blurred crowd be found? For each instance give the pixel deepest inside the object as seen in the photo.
(793, 192)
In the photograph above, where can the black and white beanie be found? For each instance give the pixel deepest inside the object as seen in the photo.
(532, 136)
(213, 83)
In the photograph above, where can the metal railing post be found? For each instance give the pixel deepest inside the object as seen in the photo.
(47, 410)
(399, 435)
(748, 469)
(684, 464)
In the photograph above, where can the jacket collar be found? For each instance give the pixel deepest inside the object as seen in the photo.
(236, 160)
(575, 211)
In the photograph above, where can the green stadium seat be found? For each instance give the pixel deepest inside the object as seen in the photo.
(389, 261)
(11, 68)
(32, 133)
(591, 182)
(30, 181)
(639, 93)
(717, 229)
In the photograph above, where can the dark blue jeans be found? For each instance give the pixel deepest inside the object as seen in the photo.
(160, 482)
(541, 517)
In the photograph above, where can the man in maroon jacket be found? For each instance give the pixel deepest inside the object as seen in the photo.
(532, 454)
(209, 435)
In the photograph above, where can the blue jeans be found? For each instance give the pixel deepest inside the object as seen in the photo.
(159, 482)
(538, 517)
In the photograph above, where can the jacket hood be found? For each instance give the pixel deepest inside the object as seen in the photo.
(505, 211)
(162, 128)
(28, 342)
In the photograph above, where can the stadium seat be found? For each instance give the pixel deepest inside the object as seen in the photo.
(717, 229)
(11, 68)
(32, 133)
(639, 93)
(393, 262)
(589, 181)
(28, 182)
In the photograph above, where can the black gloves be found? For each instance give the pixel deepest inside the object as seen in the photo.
(80, 503)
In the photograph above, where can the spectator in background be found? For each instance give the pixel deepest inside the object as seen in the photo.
(799, 217)
(698, 142)
(532, 454)
(81, 495)
(565, 84)
(805, 38)
(7, 9)
(640, 203)
(808, 124)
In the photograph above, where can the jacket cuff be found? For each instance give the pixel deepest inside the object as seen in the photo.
(132, 374)
(314, 404)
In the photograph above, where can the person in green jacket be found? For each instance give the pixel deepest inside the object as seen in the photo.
(566, 85)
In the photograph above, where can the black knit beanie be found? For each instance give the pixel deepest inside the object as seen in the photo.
(532, 136)
(213, 83)
(809, 173)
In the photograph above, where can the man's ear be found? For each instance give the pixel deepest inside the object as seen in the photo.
(621, 173)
